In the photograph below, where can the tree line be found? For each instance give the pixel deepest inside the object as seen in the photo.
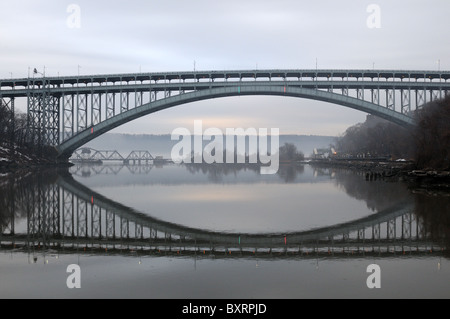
(15, 133)
(427, 144)
(13, 127)
(289, 152)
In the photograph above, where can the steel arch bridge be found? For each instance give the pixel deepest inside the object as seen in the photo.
(68, 112)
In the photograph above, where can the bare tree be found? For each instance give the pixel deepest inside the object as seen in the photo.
(428, 144)
(378, 138)
(433, 135)
(289, 152)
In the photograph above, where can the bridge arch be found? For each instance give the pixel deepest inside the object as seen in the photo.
(66, 148)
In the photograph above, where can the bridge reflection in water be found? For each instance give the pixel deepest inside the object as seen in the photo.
(64, 216)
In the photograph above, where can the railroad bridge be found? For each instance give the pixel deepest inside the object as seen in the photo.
(90, 155)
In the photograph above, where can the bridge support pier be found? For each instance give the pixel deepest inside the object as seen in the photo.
(43, 115)
(8, 103)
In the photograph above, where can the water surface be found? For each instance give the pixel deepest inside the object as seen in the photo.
(220, 232)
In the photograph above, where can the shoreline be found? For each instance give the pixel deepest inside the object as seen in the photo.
(17, 169)
(389, 171)
(393, 171)
(22, 159)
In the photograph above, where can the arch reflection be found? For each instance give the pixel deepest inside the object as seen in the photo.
(52, 211)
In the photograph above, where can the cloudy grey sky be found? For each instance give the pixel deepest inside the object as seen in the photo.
(169, 35)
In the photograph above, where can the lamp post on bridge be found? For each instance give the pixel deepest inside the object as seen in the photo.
(35, 71)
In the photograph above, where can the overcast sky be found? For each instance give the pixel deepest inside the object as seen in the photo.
(169, 35)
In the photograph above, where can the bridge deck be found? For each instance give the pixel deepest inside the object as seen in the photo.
(411, 75)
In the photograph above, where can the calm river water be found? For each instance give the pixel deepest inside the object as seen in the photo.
(220, 232)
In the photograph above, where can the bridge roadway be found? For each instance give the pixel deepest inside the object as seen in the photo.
(121, 82)
(84, 107)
